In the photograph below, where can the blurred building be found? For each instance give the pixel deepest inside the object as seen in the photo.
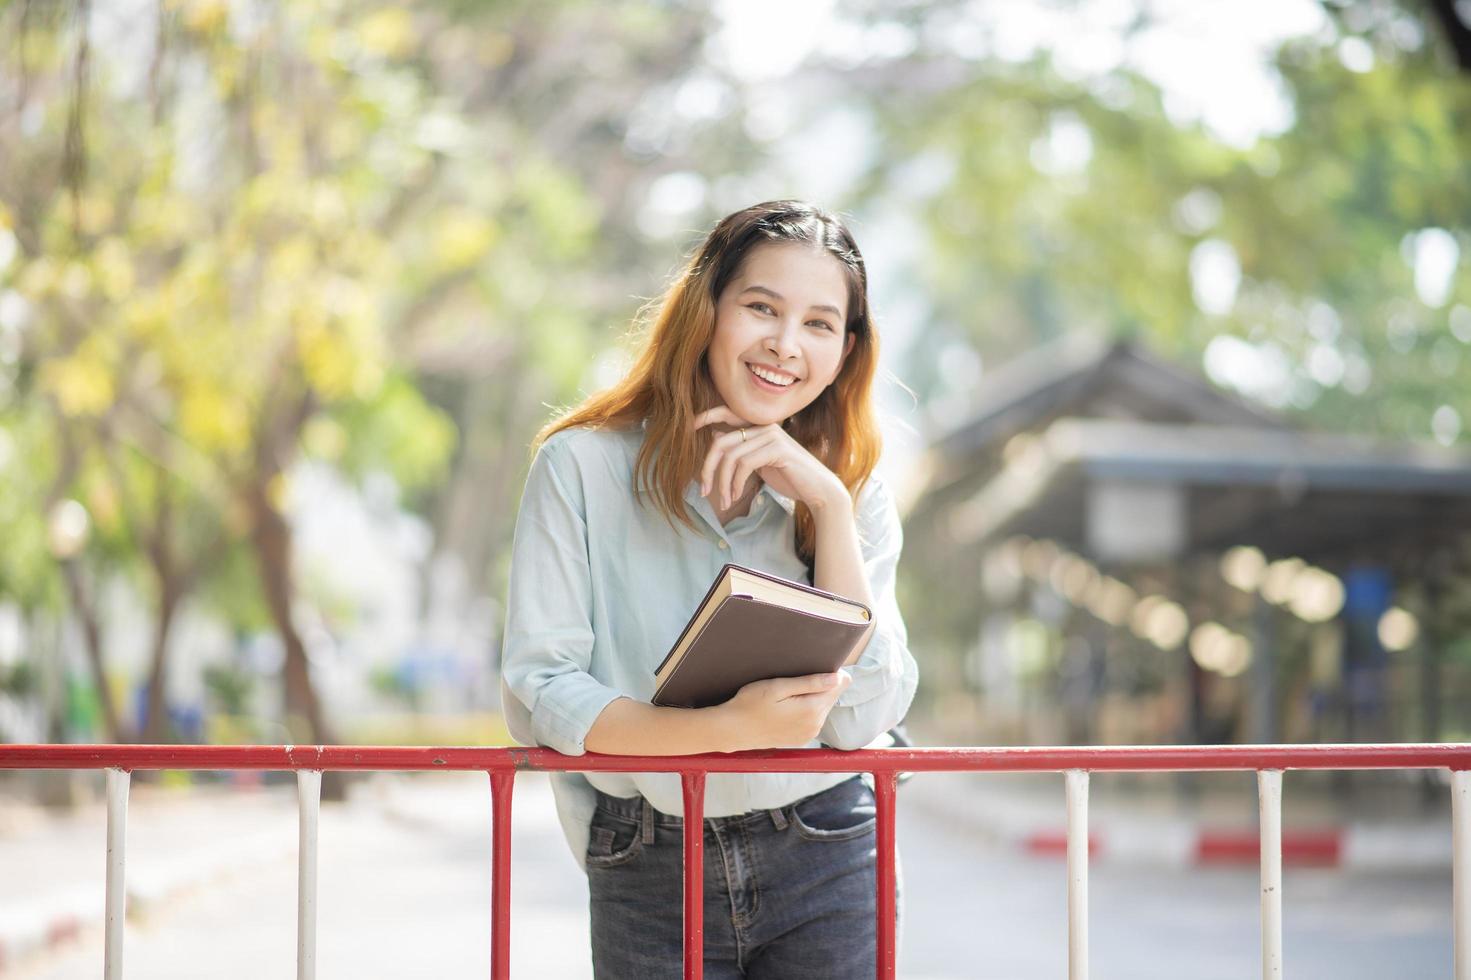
(1113, 550)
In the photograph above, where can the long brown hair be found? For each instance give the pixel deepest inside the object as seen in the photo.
(669, 382)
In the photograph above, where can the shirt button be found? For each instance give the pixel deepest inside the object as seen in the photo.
(722, 545)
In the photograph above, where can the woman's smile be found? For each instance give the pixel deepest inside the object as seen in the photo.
(766, 379)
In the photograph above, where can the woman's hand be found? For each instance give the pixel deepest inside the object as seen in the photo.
(767, 451)
(782, 712)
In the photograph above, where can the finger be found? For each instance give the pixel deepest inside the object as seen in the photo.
(725, 475)
(792, 687)
(707, 470)
(721, 414)
(746, 465)
(721, 445)
(828, 694)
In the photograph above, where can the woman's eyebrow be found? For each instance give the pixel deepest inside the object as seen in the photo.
(780, 298)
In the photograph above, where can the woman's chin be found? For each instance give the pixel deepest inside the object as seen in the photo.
(762, 416)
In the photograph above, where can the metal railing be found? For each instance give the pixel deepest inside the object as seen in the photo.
(885, 765)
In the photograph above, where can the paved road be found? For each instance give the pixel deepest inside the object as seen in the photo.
(405, 892)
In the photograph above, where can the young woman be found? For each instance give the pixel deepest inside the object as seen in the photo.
(744, 433)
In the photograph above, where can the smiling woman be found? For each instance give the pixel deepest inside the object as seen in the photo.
(779, 338)
(744, 432)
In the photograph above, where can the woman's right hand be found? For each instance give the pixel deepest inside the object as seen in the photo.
(783, 712)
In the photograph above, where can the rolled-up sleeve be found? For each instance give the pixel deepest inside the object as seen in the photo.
(885, 675)
(549, 697)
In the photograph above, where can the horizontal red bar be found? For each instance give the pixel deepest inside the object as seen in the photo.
(1125, 758)
(1054, 843)
(1298, 848)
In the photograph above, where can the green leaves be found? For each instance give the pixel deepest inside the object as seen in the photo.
(1162, 230)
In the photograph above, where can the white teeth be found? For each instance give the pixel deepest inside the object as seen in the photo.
(768, 376)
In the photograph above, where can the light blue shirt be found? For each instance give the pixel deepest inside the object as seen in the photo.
(601, 588)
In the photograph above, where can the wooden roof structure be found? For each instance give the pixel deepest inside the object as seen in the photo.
(1077, 421)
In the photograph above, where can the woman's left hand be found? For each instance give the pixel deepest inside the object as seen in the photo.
(769, 452)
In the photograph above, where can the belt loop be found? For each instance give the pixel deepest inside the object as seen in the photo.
(646, 820)
(779, 818)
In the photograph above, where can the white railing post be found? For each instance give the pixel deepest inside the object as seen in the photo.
(1269, 805)
(116, 904)
(1077, 874)
(1461, 870)
(309, 800)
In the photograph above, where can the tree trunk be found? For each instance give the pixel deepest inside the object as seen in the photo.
(156, 728)
(271, 538)
(92, 636)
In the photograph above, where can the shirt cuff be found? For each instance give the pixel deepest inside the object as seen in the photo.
(565, 710)
(878, 669)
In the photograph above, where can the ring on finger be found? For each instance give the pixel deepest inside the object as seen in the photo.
(743, 435)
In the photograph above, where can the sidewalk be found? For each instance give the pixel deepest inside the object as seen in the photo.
(1147, 821)
(54, 864)
(211, 868)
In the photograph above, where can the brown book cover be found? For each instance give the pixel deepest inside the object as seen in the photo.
(752, 626)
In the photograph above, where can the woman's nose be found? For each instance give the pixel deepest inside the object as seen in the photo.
(783, 340)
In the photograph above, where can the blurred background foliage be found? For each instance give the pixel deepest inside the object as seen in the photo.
(245, 243)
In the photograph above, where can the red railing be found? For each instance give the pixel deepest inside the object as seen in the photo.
(885, 765)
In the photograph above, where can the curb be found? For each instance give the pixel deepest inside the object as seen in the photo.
(1370, 848)
(1117, 838)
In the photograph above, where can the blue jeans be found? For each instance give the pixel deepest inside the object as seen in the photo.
(789, 893)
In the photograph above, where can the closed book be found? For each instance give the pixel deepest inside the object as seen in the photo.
(753, 626)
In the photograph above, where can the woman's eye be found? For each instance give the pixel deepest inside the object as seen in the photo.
(822, 323)
(761, 308)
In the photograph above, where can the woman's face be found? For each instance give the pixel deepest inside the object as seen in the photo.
(782, 314)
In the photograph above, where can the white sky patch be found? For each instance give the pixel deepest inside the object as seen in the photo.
(830, 154)
(671, 203)
(1324, 323)
(1066, 147)
(1356, 54)
(1215, 276)
(1260, 371)
(768, 113)
(1460, 321)
(15, 311)
(1197, 212)
(1357, 374)
(1433, 253)
(703, 97)
(1445, 425)
(1212, 60)
(768, 38)
(1325, 365)
(1212, 69)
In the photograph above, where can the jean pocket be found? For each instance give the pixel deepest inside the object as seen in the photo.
(845, 812)
(612, 840)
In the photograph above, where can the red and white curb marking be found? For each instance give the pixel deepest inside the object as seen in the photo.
(1388, 848)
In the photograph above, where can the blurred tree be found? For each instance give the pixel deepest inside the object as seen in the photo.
(244, 234)
(585, 107)
(1329, 251)
(204, 276)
